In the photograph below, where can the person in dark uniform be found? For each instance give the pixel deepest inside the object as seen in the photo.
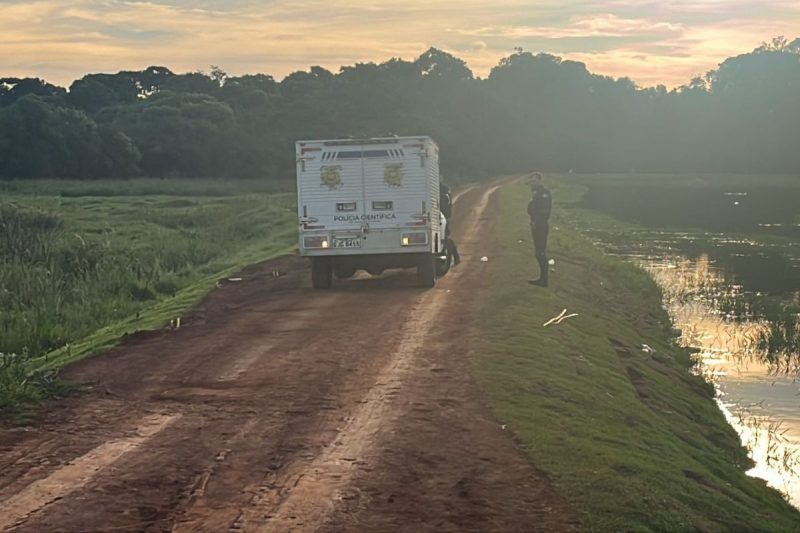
(446, 207)
(539, 210)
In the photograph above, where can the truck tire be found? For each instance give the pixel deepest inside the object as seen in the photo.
(321, 272)
(443, 265)
(426, 271)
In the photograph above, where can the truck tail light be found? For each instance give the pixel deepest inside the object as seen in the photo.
(414, 239)
(316, 241)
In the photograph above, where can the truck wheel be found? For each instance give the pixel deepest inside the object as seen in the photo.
(321, 272)
(426, 271)
(443, 265)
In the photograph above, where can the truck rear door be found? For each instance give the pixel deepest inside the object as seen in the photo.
(331, 187)
(394, 184)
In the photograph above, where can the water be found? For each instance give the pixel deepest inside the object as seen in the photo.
(755, 208)
(763, 406)
(704, 274)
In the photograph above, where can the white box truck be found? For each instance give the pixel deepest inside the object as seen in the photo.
(370, 204)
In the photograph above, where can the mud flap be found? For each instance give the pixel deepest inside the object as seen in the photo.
(426, 271)
(321, 272)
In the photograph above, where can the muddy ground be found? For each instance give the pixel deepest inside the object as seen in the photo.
(275, 407)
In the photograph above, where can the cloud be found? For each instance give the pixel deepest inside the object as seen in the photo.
(649, 41)
(582, 27)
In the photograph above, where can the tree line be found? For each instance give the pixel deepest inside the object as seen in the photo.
(532, 111)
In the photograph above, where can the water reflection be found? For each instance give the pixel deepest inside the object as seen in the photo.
(761, 405)
(763, 266)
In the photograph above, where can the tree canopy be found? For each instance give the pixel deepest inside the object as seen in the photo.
(532, 111)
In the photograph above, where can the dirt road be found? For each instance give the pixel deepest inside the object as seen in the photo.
(278, 408)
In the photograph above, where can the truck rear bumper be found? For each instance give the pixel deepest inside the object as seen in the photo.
(392, 241)
(377, 263)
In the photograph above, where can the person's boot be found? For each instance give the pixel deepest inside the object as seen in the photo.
(543, 272)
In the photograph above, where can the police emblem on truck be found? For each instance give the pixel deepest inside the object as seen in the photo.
(393, 175)
(331, 177)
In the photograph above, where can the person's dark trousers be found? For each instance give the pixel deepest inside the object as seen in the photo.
(453, 249)
(540, 231)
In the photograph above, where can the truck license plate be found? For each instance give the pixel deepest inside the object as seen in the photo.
(347, 243)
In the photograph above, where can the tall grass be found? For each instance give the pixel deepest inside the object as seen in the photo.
(779, 342)
(16, 385)
(69, 267)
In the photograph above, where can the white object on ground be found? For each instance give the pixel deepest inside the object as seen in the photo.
(484, 259)
(559, 318)
(647, 349)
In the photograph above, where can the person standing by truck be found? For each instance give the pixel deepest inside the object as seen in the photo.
(539, 210)
(446, 208)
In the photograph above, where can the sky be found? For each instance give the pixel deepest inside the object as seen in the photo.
(651, 41)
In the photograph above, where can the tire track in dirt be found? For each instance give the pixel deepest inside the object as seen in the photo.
(287, 404)
(315, 488)
(79, 472)
(267, 387)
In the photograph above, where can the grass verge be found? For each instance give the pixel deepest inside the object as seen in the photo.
(629, 438)
(79, 272)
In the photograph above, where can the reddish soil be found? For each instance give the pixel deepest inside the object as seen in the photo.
(279, 408)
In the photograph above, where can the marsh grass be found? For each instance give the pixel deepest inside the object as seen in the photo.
(768, 434)
(72, 266)
(778, 342)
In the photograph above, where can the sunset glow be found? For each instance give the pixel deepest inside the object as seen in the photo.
(651, 42)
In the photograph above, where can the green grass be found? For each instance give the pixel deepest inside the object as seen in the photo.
(144, 187)
(79, 272)
(632, 441)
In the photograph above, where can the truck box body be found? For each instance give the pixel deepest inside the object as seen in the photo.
(369, 202)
